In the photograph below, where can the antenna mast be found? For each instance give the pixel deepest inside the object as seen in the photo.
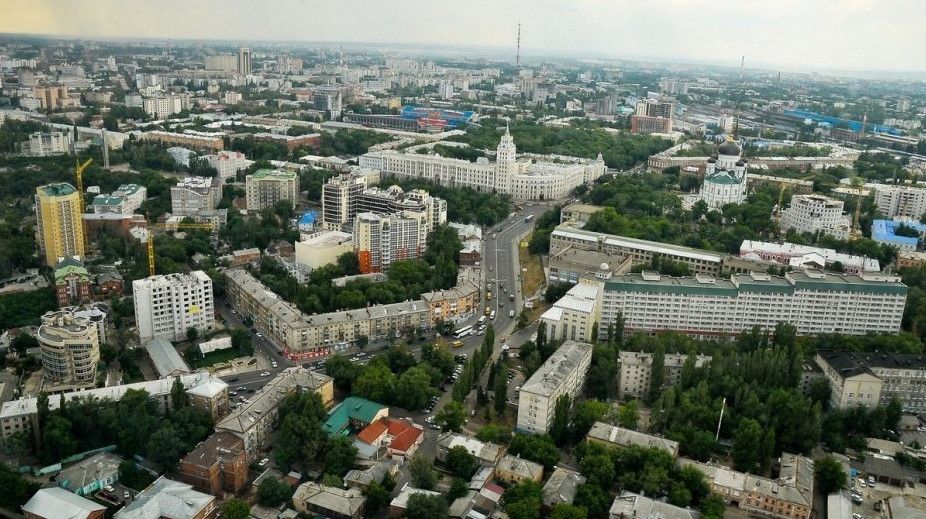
(517, 59)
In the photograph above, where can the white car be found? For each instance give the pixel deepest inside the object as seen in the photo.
(265, 374)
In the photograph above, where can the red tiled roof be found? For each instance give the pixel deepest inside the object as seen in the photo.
(404, 435)
(494, 488)
(373, 432)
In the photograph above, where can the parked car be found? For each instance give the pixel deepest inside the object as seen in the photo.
(265, 374)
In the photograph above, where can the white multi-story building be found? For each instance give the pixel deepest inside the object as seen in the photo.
(523, 180)
(222, 62)
(636, 371)
(166, 306)
(813, 213)
(161, 106)
(704, 306)
(899, 201)
(193, 195)
(380, 240)
(44, 144)
(805, 256)
(575, 315)
(228, 163)
(873, 379)
(562, 374)
(70, 350)
(266, 187)
(125, 200)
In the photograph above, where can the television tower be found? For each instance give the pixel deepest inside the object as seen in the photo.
(742, 65)
(517, 58)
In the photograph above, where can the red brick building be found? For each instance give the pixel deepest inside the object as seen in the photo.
(217, 465)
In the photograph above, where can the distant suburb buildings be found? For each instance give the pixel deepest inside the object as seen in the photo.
(705, 306)
(59, 229)
(562, 374)
(523, 180)
(166, 306)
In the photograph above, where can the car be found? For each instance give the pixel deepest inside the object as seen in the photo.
(857, 516)
(273, 365)
(126, 495)
(361, 354)
(260, 335)
(240, 388)
(232, 393)
(434, 426)
(861, 483)
(263, 462)
(265, 374)
(490, 268)
(517, 389)
(429, 419)
(871, 481)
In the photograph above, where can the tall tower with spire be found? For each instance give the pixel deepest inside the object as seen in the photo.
(506, 162)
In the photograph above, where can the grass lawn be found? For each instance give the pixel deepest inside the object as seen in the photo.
(212, 358)
(532, 278)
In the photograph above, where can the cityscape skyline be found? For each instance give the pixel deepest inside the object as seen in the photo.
(847, 36)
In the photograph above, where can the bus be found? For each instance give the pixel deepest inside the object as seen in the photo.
(463, 332)
(528, 218)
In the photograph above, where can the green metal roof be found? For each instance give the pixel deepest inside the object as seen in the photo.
(722, 178)
(273, 173)
(352, 408)
(60, 189)
(106, 200)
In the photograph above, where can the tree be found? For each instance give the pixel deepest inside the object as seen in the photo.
(273, 492)
(178, 396)
(585, 414)
(628, 415)
(494, 433)
(377, 498)
(23, 342)
(567, 511)
(165, 446)
(830, 474)
(461, 463)
(593, 499)
(339, 455)
(17, 490)
(746, 444)
(713, 507)
(458, 488)
(539, 448)
(423, 506)
(192, 334)
(598, 469)
(342, 370)
(500, 388)
(422, 473)
(451, 417)
(523, 501)
(236, 509)
(559, 427)
(413, 389)
(657, 372)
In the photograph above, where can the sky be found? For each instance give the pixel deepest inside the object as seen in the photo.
(807, 35)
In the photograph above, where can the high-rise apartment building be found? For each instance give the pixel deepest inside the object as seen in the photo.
(193, 195)
(228, 163)
(244, 60)
(382, 239)
(575, 315)
(59, 229)
(162, 106)
(70, 350)
(166, 306)
(266, 187)
(339, 200)
(562, 374)
(895, 201)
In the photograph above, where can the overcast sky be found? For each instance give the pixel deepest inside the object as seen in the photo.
(807, 34)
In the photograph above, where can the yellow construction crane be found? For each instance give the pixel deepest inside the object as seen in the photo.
(79, 178)
(172, 226)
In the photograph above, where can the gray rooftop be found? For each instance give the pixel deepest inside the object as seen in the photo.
(58, 503)
(550, 376)
(620, 436)
(165, 358)
(166, 498)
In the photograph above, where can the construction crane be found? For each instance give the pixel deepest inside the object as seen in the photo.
(173, 226)
(79, 178)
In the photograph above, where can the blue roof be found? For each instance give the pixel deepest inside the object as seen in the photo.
(885, 231)
(308, 218)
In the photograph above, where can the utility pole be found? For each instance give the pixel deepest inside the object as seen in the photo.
(720, 421)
